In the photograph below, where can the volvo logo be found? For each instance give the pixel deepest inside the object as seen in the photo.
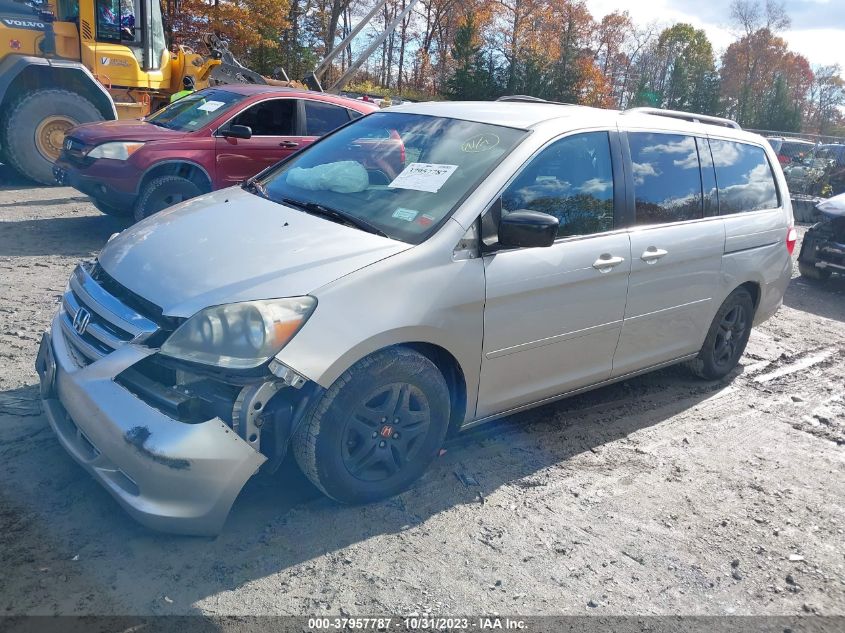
(81, 320)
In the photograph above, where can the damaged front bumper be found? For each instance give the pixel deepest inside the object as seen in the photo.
(170, 475)
(823, 246)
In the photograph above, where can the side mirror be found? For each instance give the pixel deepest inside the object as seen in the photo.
(237, 131)
(528, 229)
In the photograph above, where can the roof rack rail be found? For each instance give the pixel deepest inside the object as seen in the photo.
(686, 116)
(529, 99)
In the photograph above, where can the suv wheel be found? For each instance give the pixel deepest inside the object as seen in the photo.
(164, 192)
(376, 429)
(726, 338)
(110, 210)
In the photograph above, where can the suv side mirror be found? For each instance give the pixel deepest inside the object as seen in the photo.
(237, 131)
(527, 229)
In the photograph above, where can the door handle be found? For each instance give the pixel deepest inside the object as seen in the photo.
(288, 144)
(652, 254)
(607, 262)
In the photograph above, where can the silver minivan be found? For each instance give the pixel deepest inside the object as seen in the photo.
(421, 270)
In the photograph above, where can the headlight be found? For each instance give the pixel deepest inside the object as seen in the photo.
(239, 335)
(119, 150)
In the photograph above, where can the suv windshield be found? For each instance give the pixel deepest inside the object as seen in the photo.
(195, 110)
(392, 173)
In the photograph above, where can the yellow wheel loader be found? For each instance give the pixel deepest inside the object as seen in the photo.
(66, 62)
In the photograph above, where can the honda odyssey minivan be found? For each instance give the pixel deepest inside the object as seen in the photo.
(524, 252)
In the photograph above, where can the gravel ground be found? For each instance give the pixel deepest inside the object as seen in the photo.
(660, 495)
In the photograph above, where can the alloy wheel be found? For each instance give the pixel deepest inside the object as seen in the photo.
(385, 432)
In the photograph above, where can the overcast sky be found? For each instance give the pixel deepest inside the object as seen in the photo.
(817, 32)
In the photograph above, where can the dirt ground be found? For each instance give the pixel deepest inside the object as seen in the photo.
(660, 495)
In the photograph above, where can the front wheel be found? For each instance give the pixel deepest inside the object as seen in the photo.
(726, 338)
(164, 192)
(111, 210)
(376, 429)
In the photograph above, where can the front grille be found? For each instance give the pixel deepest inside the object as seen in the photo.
(95, 322)
(73, 150)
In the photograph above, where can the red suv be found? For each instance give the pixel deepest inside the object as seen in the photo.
(208, 140)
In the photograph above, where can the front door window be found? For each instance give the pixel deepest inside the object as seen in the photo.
(571, 179)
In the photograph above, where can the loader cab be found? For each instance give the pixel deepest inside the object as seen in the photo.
(135, 24)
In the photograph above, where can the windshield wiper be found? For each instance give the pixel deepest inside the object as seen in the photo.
(337, 215)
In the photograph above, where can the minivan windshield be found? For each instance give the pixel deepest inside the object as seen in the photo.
(391, 173)
(193, 111)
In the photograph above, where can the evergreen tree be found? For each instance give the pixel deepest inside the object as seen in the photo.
(779, 113)
(471, 78)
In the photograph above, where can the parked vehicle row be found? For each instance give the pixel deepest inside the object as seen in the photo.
(810, 168)
(418, 271)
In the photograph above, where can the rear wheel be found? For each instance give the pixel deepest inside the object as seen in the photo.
(164, 192)
(35, 129)
(376, 429)
(726, 338)
(811, 272)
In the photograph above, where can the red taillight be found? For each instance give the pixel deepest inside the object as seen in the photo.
(791, 238)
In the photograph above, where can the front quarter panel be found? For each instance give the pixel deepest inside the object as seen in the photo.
(418, 296)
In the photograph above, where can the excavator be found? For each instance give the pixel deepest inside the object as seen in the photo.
(68, 62)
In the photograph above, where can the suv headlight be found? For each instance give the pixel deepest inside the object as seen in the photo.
(118, 150)
(239, 335)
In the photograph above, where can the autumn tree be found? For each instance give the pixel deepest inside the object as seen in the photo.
(248, 25)
(748, 64)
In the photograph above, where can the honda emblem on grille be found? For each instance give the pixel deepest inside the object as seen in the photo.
(81, 320)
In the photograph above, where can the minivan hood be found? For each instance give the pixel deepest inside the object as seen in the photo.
(231, 246)
(132, 130)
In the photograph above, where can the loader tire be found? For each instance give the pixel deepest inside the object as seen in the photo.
(35, 129)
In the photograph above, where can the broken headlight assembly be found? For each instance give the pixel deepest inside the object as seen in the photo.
(239, 335)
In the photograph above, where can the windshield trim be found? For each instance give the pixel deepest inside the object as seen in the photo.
(270, 171)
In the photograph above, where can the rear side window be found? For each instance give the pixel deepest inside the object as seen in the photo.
(667, 177)
(571, 179)
(744, 177)
(322, 118)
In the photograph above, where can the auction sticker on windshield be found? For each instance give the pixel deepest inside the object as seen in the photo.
(423, 177)
(211, 106)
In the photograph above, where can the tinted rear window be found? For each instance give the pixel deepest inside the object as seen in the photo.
(322, 118)
(667, 178)
(744, 177)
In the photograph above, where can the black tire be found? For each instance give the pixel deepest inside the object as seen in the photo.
(23, 121)
(811, 272)
(163, 192)
(354, 444)
(726, 338)
(110, 210)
